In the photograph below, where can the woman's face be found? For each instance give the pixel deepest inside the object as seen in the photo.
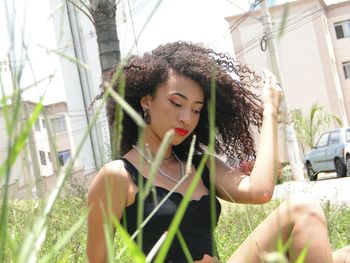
(176, 105)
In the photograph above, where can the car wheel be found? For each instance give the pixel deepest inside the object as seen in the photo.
(348, 165)
(339, 168)
(310, 172)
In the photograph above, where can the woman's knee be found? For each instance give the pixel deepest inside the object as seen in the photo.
(305, 208)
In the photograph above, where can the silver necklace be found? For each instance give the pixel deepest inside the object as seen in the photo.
(161, 171)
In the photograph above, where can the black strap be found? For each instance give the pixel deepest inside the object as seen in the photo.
(205, 175)
(131, 169)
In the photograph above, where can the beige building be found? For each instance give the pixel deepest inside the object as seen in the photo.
(34, 171)
(314, 51)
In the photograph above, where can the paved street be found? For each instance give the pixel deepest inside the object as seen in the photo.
(327, 187)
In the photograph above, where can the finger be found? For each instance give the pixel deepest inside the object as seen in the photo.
(270, 80)
(269, 76)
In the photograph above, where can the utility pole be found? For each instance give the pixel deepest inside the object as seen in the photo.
(291, 144)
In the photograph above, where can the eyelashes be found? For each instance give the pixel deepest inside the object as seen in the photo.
(177, 105)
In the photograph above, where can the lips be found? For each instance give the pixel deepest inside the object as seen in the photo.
(181, 131)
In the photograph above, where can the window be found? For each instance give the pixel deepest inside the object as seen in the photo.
(42, 157)
(63, 156)
(346, 68)
(43, 123)
(37, 125)
(58, 124)
(334, 137)
(49, 156)
(347, 135)
(323, 141)
(342, 29)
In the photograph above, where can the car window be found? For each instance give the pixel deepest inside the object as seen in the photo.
(323, 141)
(334, 138)
(347, 135)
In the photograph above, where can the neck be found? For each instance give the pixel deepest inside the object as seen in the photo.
(152, 143)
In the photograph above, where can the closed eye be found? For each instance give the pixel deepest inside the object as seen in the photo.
(175, 104)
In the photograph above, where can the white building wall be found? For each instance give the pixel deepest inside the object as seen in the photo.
(245, 49)
(341, 48)
(16, 169)
(42, 144)
(302, 69)
(81, 84)
(306, 54)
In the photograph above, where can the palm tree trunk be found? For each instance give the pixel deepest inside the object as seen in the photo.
(104, 16)
(104, 12)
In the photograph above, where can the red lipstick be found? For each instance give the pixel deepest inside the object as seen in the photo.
(181, 131)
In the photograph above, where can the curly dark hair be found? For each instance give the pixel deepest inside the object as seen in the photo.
(238, 107)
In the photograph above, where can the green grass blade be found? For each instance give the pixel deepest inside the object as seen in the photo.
(21, 139)
(157, 160)
(138, 255)
(14, 150)
(188, 170)
(5, 109)
(180, 212)
(211, 148)
(33, 241)
(69, 58)
(108, 218)
(129, 110)
(281, 247)
(140, 204)
(156, 247)
(64, 240)
(117, 127)
(109, 242)
(303, 254)
(190, 155)
(184, 247)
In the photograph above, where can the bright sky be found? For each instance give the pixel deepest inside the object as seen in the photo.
(194, 20)
(35, 30)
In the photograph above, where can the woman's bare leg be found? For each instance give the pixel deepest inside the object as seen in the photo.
(342, 255)
(300, 219)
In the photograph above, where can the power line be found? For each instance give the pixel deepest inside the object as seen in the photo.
(300, 20)
(240, 8)
(260, 35)
(133, 27)
(236, 24)
(87, 37)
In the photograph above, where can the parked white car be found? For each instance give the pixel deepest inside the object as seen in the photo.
(331, 153)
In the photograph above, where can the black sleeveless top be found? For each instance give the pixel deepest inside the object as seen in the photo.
(195, 226)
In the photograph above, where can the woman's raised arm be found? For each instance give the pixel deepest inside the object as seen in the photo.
(236, 186)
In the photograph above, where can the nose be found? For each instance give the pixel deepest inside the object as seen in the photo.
(185, 116)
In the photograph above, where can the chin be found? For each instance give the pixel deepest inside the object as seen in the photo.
(178, 141)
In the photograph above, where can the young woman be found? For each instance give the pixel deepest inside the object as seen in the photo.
(170, 88)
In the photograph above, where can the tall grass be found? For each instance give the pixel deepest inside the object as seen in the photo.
(54, 230)
(232, 229)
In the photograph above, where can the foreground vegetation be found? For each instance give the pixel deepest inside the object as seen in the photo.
(235, 224)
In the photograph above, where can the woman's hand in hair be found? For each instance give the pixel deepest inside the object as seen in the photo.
(272, 92)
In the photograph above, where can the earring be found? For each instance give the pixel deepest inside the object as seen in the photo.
(146, 116)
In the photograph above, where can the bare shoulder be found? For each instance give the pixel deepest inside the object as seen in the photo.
(113, 173)
(114, 168)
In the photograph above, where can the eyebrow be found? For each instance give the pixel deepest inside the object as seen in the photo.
(184, 97)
